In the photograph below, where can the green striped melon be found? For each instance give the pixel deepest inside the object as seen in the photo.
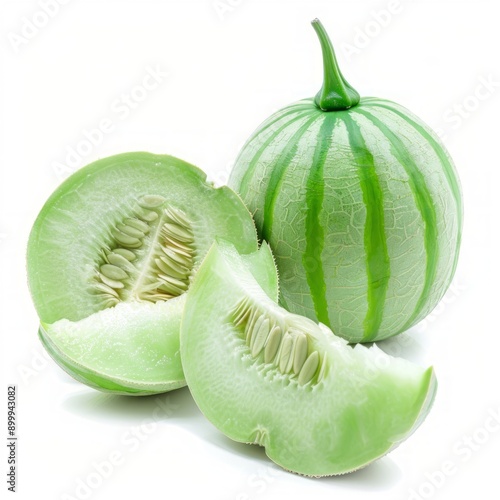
(361, 204)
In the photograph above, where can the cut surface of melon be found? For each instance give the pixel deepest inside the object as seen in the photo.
(132, 346)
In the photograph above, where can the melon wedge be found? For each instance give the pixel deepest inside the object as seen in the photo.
(265, 376)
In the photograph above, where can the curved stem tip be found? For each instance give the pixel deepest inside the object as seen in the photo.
(335, 94)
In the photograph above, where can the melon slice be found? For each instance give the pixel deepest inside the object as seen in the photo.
(263, 375)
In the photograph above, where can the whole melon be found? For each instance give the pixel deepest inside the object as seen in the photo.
(361, 204)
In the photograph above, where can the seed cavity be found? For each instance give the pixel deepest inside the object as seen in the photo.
(289, 350)
(150, 255)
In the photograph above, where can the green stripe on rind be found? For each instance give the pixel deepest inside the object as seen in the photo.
(279, 167)
(253, 163)
(315, 235)
(377, 256)
(448, 168)
(425, 205)
(279, 115)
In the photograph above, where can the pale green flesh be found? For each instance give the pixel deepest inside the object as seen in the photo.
(96, 380)
(132, 346)
(261, 265)
(365, 404)
(75, 223)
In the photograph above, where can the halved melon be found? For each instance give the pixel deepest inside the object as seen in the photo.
(110, 257)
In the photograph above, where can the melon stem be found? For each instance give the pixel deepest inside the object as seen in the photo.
(335, 94)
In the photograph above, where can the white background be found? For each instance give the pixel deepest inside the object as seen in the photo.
(231, 64)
